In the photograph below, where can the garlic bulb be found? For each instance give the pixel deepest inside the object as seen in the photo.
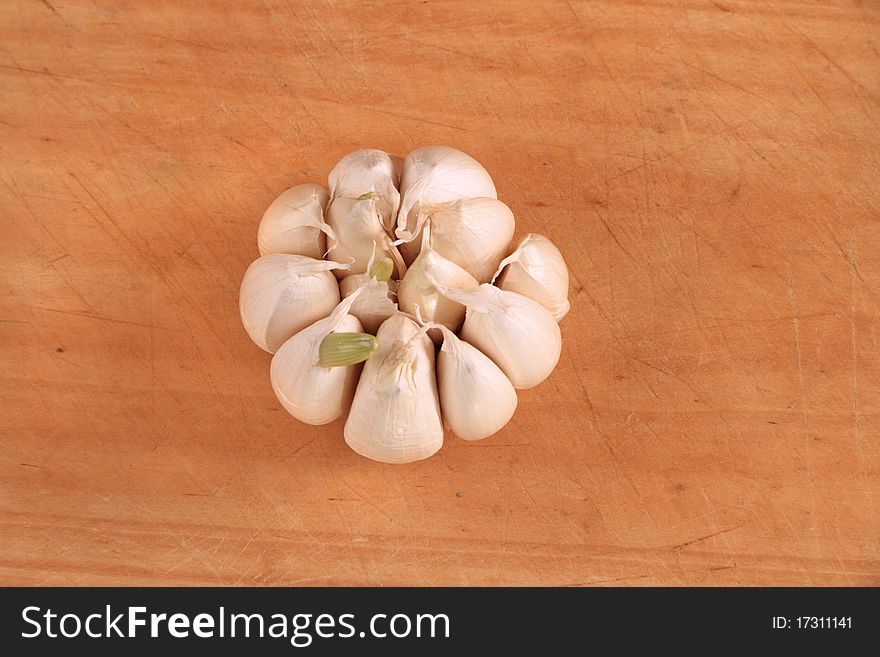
(310, 392)
(537, 270)
(358, 231)
(476, 398)
(395, 415)
(368, 170)
(519, 334)
(437, 174)
(281, 294)
(376, 303)
(294, 223)
(415, 249)
(473, 233)
(418, 295)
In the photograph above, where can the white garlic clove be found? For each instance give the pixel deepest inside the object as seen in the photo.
(395, 415)
(473, 233)
(281, 294)
(376, 302)
(294, 223)
(418, 294)
(476, 398)
(368, 170)
(537, 270)
(516, 332)
(309, 392)
(358, 232)
(433, 175)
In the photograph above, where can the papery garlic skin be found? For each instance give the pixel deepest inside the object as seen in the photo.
(473, 233)
(358, 231)
(418, 294)
(368, 170)
(537, 270)
(476, 398)
(376, 302)
(281, 294)
(309, 392)
(437, 174)
(516, 332)
(395, 415)
(294, 223)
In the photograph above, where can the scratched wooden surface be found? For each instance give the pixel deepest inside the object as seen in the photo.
(709, 170)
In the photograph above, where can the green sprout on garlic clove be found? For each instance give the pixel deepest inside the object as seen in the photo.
(382, 269)
(340, 349)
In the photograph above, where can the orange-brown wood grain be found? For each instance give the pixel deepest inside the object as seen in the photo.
(709, 170)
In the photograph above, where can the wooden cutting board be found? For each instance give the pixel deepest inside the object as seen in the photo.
(709, 170)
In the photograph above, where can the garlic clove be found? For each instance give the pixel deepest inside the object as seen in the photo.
(376, 303)
(281, 294)
(433, 175)
(357, 228)
(294, 223)
(537, 270)
(368, 170)
(516, 332)
(418, 293)
(476, 398)
(473, 233)
(395, 415)
(310, 392)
